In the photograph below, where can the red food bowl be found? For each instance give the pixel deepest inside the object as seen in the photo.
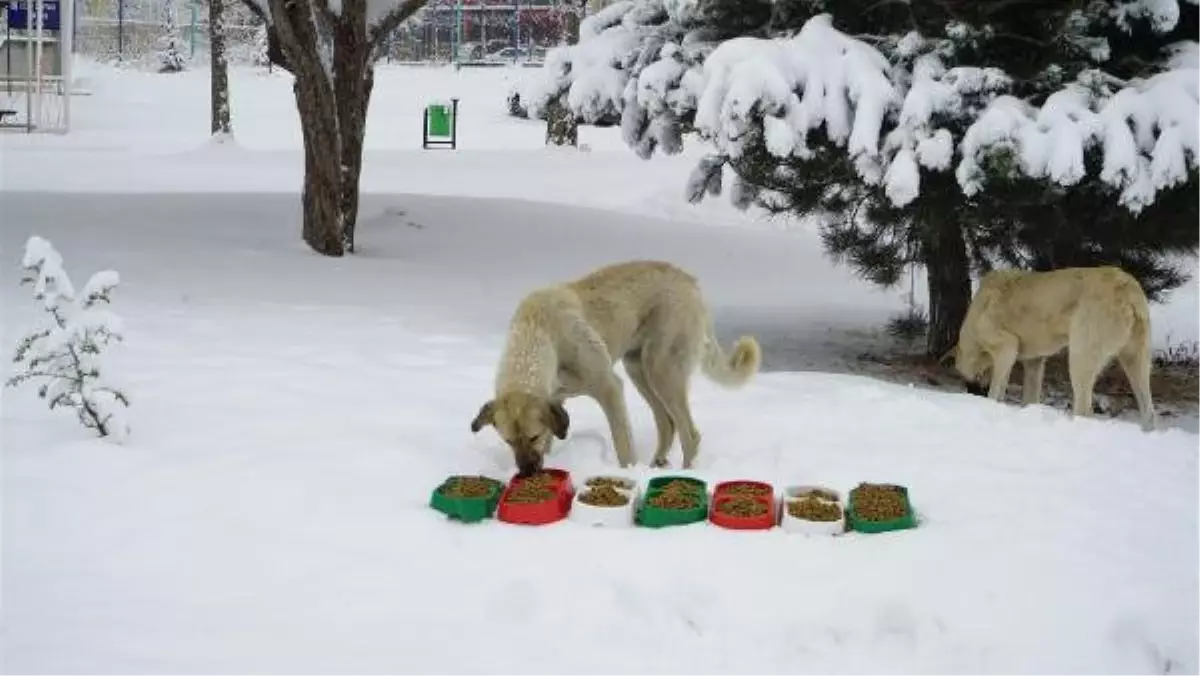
(537, 513)
(726, 490)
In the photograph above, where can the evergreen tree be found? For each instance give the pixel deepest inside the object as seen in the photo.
(170, 55)
(952, 134)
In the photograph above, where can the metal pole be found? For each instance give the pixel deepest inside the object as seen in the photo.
(120, 30)
(39, 36)
(192, 35)
(29, 72)
(66, 50)
(458, 26)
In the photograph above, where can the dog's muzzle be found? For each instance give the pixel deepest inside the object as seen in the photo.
(976, 389)
(528, 462)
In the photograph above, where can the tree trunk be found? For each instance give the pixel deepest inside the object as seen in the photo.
(354, 78)
(220, 69)
(322, 228)
(328, 47)
(948, 273)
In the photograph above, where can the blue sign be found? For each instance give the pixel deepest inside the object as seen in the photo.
(18, 14)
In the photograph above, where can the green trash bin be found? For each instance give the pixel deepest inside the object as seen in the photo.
(440, 119)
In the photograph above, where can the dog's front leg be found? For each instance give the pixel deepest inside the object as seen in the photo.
(1004, 357)
(1031, 389)
(611, 397)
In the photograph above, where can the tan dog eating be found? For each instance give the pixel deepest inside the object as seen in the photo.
(565, 339)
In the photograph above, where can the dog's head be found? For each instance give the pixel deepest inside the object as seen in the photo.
(972, 365)
(526, 422)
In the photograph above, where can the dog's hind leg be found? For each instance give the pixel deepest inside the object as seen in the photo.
(1033, 370)
(1135, 362)
(662, 419)
(668, 375)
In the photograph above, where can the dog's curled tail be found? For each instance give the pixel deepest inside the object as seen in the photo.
(735, 369)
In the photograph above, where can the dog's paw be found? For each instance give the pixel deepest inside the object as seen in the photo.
(660, 463)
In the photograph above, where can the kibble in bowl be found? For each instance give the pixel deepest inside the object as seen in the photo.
(817, 493)
(676, 499)
(878, 502)
(743, 507)
(813, 508)
(527, 493)
(604, 496)
(468, 487)
(610, 481)
(746, 489)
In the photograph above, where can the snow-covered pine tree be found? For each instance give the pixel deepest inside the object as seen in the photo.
(260, 54)
(170, 51)
(66, 354)
(954, 134)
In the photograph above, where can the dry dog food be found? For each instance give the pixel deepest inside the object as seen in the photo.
(538, 479)
(813, 508)
(878, 502)
(530, 492)
(819, 493)
(614, 482)
(468, 487)
(604, 496)
(679, 486)
(747, 489)
(674, 499)
(742, 507)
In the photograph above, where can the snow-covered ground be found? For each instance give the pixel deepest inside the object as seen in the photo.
(291, 414)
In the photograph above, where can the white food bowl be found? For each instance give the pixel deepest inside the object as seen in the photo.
(596, 515)
(793, 525)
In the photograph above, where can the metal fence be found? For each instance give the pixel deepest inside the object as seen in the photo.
(470, 32)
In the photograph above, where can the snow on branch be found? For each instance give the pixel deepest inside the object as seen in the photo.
(886, 117)
(592, 75)
(65, 353)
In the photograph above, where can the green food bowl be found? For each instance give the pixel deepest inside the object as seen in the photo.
(854, 521)
(467, 509)
(657, 517)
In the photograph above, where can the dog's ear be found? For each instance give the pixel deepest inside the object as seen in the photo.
(559, 420)
(484, 417)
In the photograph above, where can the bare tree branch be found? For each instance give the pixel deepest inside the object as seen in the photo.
(392, 20)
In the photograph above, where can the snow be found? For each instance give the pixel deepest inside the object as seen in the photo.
(293, 413)
(880, 113)
(52, 285)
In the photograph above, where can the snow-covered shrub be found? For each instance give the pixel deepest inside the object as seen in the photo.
(66, 354)
(170, 45)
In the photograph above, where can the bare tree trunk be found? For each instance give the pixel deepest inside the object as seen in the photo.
(948, 273)
(329, 49)
(323, 220)
(354, 78)
(221, 123)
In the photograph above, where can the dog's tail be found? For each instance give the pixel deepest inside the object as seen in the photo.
(730, 370)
